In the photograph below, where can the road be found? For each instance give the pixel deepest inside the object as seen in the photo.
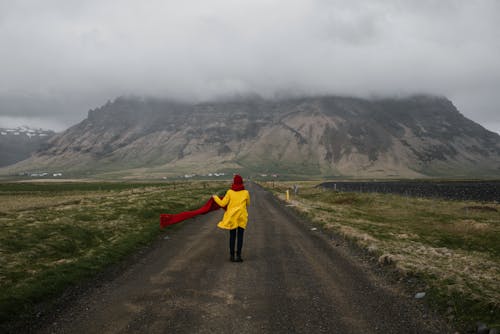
(292, 280)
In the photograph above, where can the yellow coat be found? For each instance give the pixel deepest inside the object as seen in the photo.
(236, 214)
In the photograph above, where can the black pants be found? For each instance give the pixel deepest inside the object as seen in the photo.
(232, 237)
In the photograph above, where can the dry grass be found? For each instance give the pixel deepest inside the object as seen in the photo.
(52, 235)
(453, 245)
(22, 202)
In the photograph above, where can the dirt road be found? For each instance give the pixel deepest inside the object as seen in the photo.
(293, 280)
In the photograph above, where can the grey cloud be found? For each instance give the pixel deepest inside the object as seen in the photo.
(73, 56)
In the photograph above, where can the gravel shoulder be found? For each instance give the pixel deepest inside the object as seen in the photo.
(293, 280)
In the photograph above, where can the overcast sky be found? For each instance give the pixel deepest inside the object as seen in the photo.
(60, 58)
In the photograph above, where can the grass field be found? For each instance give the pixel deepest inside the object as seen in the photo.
(452, 246)
(53, 235)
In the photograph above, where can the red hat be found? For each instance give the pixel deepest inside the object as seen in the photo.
(237, 183)
(237, 179)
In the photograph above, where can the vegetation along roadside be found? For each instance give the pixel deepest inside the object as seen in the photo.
(53, 235)
(453, 247)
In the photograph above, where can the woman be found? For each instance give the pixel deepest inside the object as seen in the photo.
(236, 216)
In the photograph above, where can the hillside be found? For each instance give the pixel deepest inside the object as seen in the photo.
(18, 144)
(316, 136)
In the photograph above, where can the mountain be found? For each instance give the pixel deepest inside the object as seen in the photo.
(19, 143)
(316, 136)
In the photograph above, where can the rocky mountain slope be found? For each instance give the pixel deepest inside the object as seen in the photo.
(320, 136)
(19, 143)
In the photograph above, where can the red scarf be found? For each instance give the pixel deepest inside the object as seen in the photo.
(170, 219)
(167, 219)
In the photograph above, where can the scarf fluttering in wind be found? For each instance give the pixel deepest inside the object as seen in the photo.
(170, 219)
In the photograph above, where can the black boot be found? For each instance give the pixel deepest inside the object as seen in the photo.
(238, 258)
(232, 259)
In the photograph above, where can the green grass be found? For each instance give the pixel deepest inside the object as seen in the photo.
(53, 235)
(454, 249)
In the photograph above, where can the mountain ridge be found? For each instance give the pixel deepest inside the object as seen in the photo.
(17, 144)
(416, 136)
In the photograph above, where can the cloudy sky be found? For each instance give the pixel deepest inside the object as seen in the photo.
(60, 58)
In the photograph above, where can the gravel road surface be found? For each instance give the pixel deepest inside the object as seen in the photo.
(292, 280)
